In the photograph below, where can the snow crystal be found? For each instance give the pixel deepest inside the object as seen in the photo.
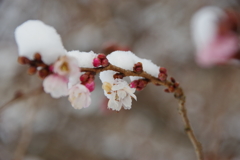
(85, 59)
(34, 36)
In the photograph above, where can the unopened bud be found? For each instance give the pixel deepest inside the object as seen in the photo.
(90, 86)
(171, 89)
(37, 57)
(96, 62)
(166, 90)
(163, 70)
(102, 56)
(133, 84)
(105, 63)
(162, 76)
(176, 85)
(84, 78)
(23, 60)
(118, 76)
(138, 67)
(172, 80)
(43, 73)
(32, 70)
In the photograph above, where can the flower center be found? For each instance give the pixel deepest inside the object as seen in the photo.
(64, 67)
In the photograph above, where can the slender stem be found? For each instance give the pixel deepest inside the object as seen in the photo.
(178, 94)
(20, 96)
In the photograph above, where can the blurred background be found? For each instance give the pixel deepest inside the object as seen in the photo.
(38, 127)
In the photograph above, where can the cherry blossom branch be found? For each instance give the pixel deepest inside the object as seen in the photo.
(178, 94)
(19, 96)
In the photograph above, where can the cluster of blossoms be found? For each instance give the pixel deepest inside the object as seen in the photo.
(40, 47)
(216, 35)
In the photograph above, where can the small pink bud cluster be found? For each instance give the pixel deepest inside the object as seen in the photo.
(138, 68)
(101, 60)
(163, 74)
(87, 79)
(139, 84)
(34, 64)
(172, 88)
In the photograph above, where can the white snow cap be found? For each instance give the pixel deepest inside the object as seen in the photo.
(127, 59)
(122, 59)
(34, 36)
(149, 67)
(204, 25)
(85, 59)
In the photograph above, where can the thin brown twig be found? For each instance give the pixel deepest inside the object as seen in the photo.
(20, 96)
(26, 136)
(178, 94)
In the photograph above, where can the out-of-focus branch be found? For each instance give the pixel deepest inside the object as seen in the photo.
(178, 94)
(26, 136)
(19, 96)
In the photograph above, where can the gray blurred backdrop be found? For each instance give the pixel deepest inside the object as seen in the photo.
(38, 127)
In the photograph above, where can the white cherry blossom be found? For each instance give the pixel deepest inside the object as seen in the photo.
(79, 96)
(119, 94)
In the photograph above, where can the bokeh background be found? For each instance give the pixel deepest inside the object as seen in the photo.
(38, 127)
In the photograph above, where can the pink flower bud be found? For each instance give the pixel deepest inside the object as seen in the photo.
(162, 76)
(105, 63)
(90, 86)
(134, 84)
(84, 78)
(50, 68)
(163, 70)
(102, 56)
(138, 67)
(96, 62)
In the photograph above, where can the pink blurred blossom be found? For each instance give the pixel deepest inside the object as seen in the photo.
(55, 85)
(220, 51)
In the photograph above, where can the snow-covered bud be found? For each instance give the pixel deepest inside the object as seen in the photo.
(23, 60)
(138, 68)
(90, 85)
(118, 76)
(105, 62)
(79, 96)
(34, 36)
(96, 62)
